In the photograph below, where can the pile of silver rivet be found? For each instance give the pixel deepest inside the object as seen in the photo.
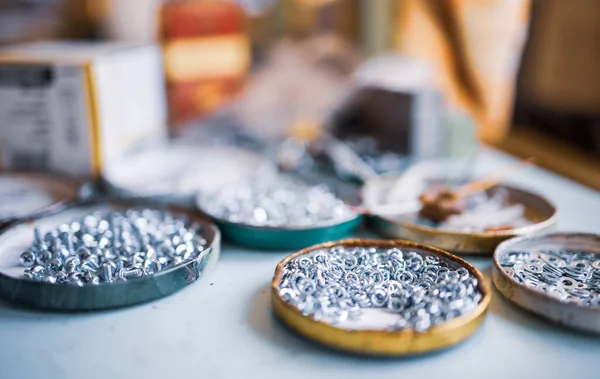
(110, 246)
(335, 285)
(572, 276)
(281, 203)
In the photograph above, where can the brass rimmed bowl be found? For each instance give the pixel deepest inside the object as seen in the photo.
(541, 212)
(576, 316)
(381, 341)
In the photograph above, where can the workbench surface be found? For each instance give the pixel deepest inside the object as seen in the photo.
(223, 326)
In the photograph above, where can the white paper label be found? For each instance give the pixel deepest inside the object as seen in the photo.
(43, 118)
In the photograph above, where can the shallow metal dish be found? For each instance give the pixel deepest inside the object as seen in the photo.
(382, 341)
(281, 237)
(61, 190)
(540, 211)
(15, 287)
(586, 318)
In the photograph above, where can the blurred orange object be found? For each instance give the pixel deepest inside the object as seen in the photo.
(192, 18)
(198, 98)
(206, 55)
(475, 46)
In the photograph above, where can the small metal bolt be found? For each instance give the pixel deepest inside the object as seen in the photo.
(150, 252)
(43, 257)
(108, 271)
(89, 265)
(180, 250)
(130, 273)
(55, 265)
(28, 258)
(121, 262)
(38, 272)
(64, 228)
(83, 252)
(60, 253)
(37, 236)
(71, 264)
(76, 279)
(149, 267)
(166, 250)
(61, 277)
(50, 279)
(50, 236)
(137, 260)
(163, 261)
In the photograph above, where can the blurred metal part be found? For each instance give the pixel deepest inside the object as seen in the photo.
(293, 155)
(380, 161)
(346, 162)
(224, 129)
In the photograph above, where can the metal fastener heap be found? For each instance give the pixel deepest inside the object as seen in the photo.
(282, 203)
(572, 276)
(338, 284)
(107, 246)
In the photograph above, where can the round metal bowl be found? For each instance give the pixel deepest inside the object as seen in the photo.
(281, 238)
(540, 211)
(380, 341)
(15, 287)
(60, 192)
(585, 318)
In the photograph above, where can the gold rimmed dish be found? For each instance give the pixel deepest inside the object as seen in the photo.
(381, 341)
(539, 211)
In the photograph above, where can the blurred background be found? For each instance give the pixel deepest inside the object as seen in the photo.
(391, 79)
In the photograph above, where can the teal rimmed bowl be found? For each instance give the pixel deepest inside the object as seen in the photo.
(281, 238)
(15, 287)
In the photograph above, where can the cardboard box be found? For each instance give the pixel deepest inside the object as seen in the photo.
(75, 108)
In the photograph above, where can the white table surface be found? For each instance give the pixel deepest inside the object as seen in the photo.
(223, 327)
